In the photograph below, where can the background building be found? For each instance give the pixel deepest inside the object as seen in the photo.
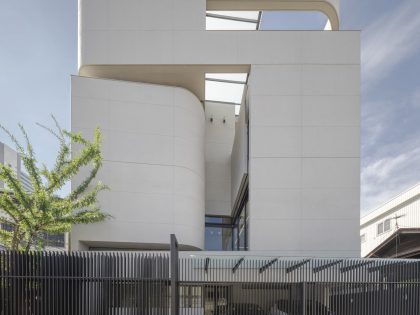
(393, 229)
(282, 175)
(10, 157)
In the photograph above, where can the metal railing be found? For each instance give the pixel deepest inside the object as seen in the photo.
(205, 284)
(56, 283)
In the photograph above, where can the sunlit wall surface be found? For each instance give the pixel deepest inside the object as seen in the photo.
(278, 135)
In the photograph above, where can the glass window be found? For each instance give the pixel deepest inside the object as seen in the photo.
(363, 238)
(218, 234)
(242, 229)
(240, 234)
(218, 238)
(55, 240)
(387, 225)
(380, 228)
(224, 233)
(218, 220)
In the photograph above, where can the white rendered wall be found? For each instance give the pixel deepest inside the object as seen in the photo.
(219, 141)
(304, 168)
(304, 159)
(153, 151)
(173, 32)
(239, 162)
(11, 158)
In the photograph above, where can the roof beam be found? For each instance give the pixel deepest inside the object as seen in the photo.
(231, 18)
(225, 81)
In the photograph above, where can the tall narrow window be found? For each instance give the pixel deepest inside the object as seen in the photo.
(380, 228)
(387, 225)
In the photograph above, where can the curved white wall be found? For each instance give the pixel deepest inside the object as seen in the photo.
(153, 151)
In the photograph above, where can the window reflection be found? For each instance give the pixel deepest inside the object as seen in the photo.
(225, 233)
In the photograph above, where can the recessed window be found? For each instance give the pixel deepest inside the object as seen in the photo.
(384, 226)
(226, 233)
(218, 233)
(380, 228)
(387, 225)
(363, 238)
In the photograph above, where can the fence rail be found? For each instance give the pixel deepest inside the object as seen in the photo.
(81, 283)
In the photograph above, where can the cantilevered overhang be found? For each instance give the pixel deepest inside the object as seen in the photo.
(195, 53)
(328, 7)
(191, 77)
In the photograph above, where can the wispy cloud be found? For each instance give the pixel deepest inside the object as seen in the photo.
(386, 177)
(390, 119)
(390, 150)
(389, 41)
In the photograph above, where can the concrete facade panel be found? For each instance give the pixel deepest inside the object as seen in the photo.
(276, 141)
(153, 150)
(331, 110)
(276, 110)
(220, 132)
(330, 141)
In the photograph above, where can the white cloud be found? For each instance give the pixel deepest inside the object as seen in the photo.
(390, 40)
(388, 176)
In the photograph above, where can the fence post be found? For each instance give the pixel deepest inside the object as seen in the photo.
(303, 298)
(174, 276)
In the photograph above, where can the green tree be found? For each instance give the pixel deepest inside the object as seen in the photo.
(31, 216)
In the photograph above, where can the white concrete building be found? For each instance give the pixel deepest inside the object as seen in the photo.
(10, 157)
(393, 229)
(281, 176)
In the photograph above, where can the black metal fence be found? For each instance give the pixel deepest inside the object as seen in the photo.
(55, 283)
(140, 283)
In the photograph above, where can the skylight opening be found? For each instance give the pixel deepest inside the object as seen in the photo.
(226, 88)
(224, 92)
(267, 20)
(293, 20)
(237, 77)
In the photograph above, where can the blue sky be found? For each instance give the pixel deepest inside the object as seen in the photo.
(39, 53)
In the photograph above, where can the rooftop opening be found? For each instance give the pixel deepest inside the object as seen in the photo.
(226, 88)
(233, 20)
(293, 20)
(266, 20)
(327, 7)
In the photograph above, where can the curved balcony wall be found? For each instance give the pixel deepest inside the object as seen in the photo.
(153, 148)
